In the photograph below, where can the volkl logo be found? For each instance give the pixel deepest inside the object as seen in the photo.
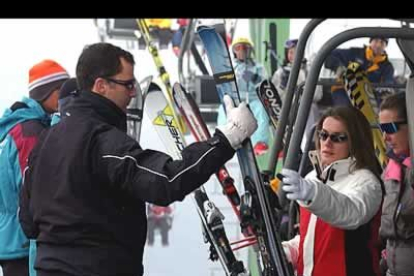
(271, 97)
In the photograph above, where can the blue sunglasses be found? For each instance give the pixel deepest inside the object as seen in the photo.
(392, 127)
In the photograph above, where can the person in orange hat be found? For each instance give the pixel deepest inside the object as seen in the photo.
(20, 127)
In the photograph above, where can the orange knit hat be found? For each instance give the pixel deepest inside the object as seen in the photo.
(44, 78)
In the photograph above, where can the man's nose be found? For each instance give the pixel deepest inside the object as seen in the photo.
(133, 93)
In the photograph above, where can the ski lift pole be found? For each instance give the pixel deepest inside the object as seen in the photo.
(293, 78)
(184, 47)
(165, 77)
(406, 47)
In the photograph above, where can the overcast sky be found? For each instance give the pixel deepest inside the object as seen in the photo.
(28, 41)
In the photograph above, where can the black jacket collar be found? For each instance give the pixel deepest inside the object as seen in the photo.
(94, 105)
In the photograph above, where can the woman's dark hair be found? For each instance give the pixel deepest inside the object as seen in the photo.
(360, 139)
(100, 60)
(397, 103)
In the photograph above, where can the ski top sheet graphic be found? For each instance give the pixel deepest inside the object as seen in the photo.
(165, 77)
(270, 98)
(362, 96)
(191, 113)
(161, 116)
(272, 254)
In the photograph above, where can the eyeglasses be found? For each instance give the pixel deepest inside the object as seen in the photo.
(291, 43)
(391, 127)
(129, 84)
(335, 137)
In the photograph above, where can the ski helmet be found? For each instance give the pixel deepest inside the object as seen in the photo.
(243, 41)
(291, 43)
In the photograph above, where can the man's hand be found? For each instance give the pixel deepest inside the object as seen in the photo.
(241, 123)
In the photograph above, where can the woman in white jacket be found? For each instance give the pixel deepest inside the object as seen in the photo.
(340, 200)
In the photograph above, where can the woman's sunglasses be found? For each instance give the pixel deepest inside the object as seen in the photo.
(335, 137)
(392, 127)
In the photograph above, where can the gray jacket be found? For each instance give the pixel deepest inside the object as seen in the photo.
(397, 221)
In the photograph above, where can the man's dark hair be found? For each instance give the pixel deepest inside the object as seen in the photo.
(100, 60)
(385, 39)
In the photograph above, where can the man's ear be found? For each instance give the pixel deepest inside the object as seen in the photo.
(100, 86)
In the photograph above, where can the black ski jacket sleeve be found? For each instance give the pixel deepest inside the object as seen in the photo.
(30, 229)
(153, 176)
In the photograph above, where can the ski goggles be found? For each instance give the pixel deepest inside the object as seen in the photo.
(335, 137)
(241, 47)
(129, 84)
(391, 127)
(291, 43)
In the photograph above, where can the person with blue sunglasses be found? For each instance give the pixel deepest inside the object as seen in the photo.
(340, 200)
(397, 221)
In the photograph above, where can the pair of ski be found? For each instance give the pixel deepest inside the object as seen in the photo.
(255, 204)
(164, 76)
(164, 122)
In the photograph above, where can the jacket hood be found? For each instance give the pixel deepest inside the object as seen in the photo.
(95, 105)
(24, 110)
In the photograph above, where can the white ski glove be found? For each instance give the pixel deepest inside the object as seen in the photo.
(241, 123)
(296, 187)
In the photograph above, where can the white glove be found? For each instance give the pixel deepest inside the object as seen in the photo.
(240, 123)
(296, 187)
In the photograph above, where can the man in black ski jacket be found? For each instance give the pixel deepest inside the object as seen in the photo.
(87, 181)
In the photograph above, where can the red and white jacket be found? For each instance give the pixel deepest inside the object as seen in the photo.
(339, 227)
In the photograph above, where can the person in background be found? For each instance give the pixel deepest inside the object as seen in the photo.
(159, 217)
(68, 90)
(373, 59)
(397, 221)
(20, 127)
(249, 74)
(340, 200)
(87, 181)
(178, 35)
(280, 80)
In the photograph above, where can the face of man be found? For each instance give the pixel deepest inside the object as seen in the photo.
(378, 46)
(120, 88)
(50, 104)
